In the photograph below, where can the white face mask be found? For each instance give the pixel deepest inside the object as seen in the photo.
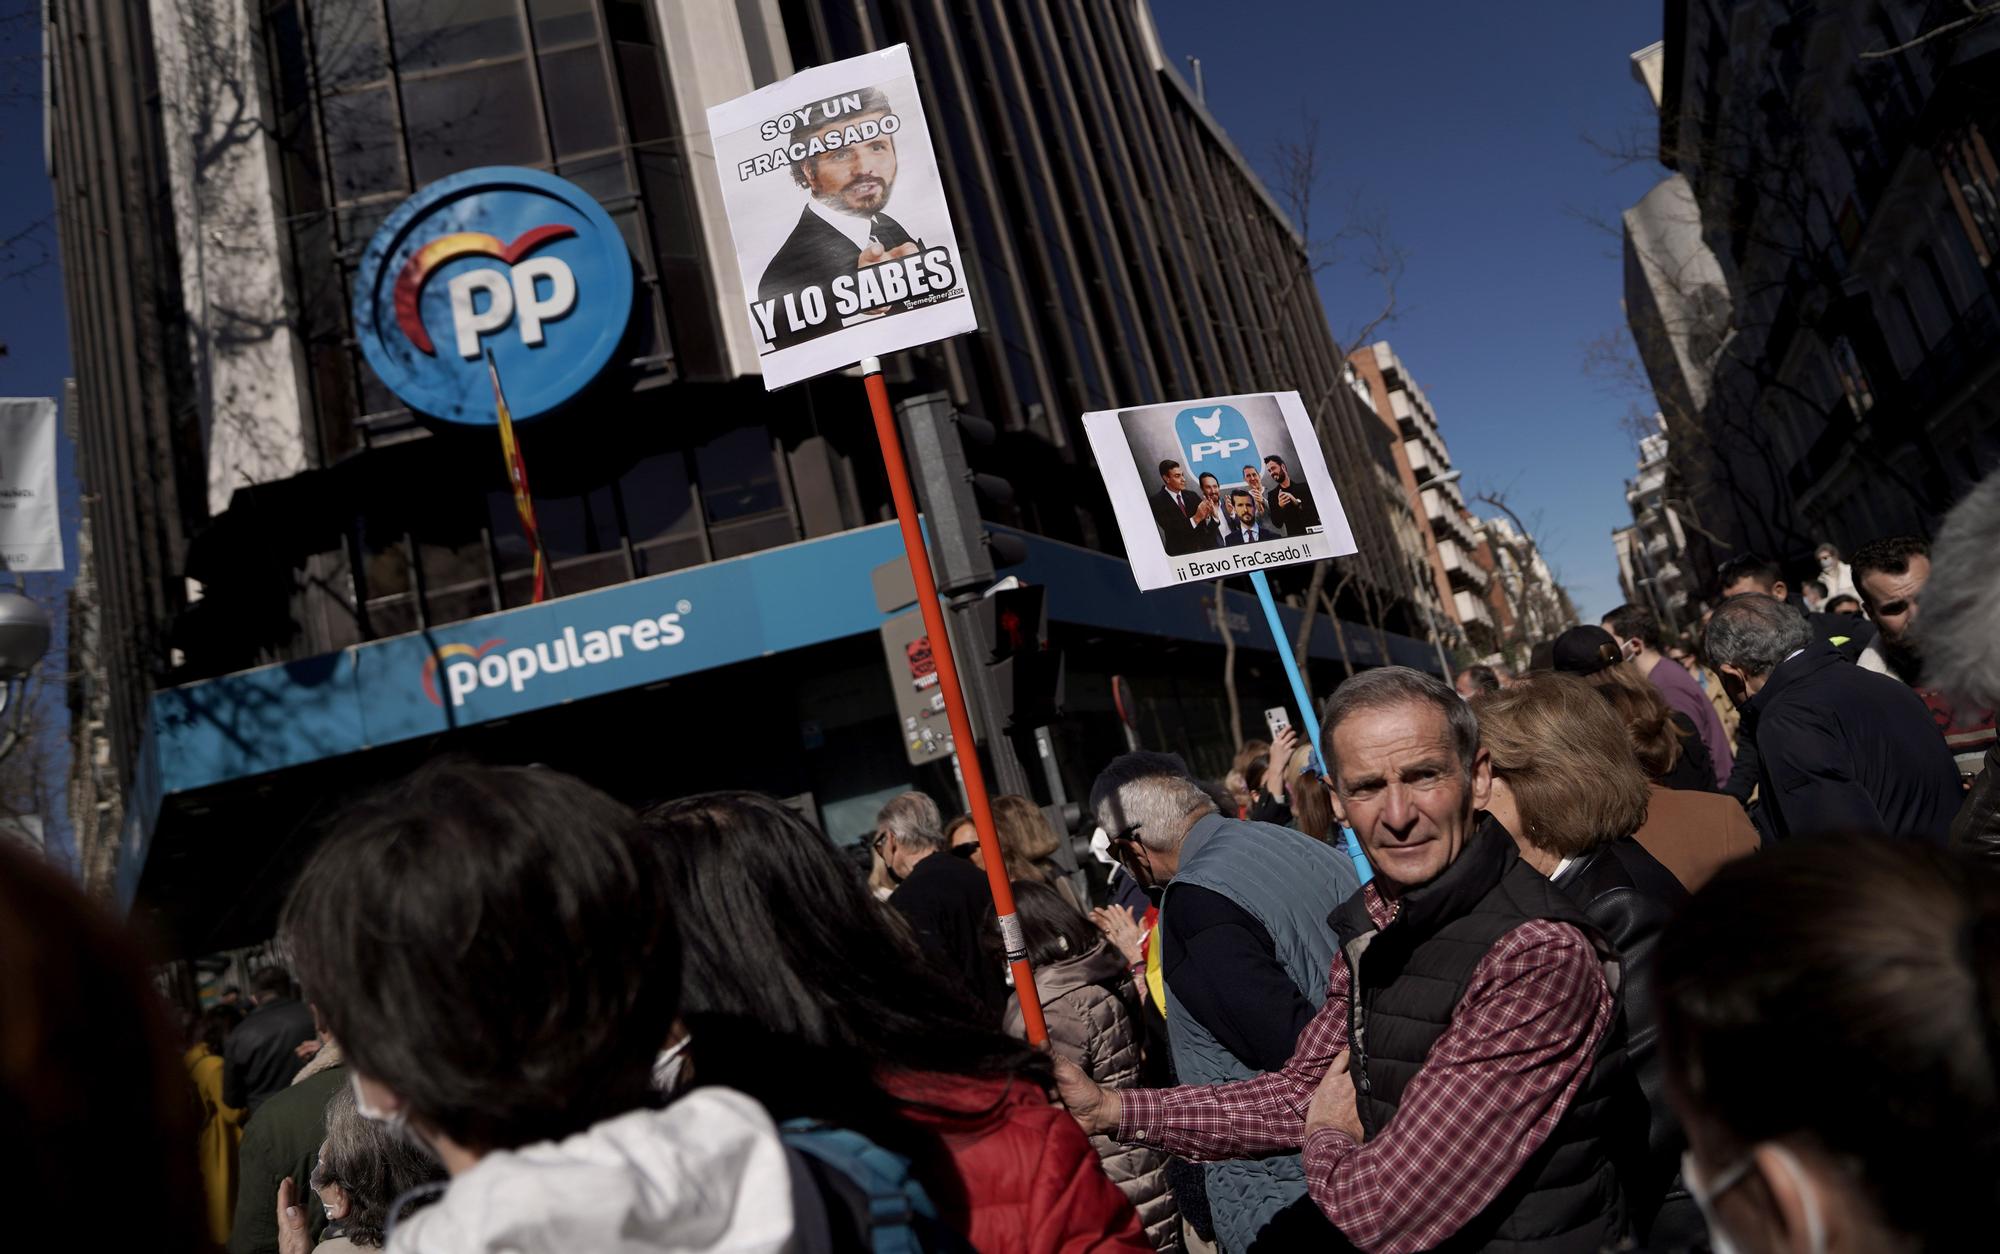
(394, 1120)
(1706, 1191)
(669, 1066)
(1828, 562)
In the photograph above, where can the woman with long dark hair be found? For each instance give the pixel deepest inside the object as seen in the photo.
(796, 991)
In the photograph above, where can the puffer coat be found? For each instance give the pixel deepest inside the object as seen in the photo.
(1093, 1024)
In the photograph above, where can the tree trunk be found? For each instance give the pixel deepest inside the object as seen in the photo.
(1339, 634)
(1229, 668)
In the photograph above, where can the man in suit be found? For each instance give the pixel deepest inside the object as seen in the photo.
(1218, 522)
(1184, 517)
(1291, 506)
(843, 227)
(1243, 528)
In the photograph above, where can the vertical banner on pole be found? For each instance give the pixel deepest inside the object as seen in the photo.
(1227, 485)
(847, 252)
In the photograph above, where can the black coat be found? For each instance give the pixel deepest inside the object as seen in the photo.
(1298, 517)
(1977, 827)
(1630, 897)
(949, 906)
(815, 254)
(1844, 749)
(258, 1058)
(1694, 770)
(1176, 531)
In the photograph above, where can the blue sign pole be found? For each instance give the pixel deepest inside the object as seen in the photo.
(1304, 698)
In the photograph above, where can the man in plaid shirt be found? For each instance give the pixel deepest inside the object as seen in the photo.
(1457, 1088)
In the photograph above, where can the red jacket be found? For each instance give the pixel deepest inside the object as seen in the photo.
(1027, 1180)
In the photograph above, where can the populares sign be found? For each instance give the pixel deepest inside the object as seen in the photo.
(842, 236)
(1223, 486)
(467, 668)
(513, 262)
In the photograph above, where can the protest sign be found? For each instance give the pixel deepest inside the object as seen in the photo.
(30, 526)
(842, 235)
(1229, 485)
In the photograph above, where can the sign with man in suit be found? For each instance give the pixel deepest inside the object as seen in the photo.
(843, 241)
(1186, 519)
(1175, 533)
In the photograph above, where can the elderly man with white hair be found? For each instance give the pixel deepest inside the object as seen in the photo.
(1462, 1086)
(1246, 945)
(1961, 645)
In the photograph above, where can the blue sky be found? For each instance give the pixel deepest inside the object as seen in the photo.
(1463, 124)
(33, 324)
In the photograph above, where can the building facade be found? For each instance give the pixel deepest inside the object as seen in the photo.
(1457, 586)
(1652, 552)
(1814, 291)
(284, 552)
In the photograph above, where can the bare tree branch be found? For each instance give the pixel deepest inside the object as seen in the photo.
(1975, 15)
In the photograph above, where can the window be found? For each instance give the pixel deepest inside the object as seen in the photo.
(362, 144)
(431, 34)
(1972, 184)
(579, 106)
(348, 43)
(738, 474)
(475, 117)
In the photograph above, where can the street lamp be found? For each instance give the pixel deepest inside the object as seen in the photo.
(24, 638)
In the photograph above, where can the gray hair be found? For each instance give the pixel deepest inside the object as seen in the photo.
(1753, 632)
(913, 819)
(1960, 646)
(375, 1164)
(1153, 792)
(1389, 686)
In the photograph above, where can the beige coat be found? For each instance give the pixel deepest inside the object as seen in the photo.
(1091, 1023)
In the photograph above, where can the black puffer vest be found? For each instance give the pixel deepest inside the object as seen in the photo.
(1405, 981)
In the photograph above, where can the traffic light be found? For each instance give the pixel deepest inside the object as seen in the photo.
(942, 444)
(1026, 674)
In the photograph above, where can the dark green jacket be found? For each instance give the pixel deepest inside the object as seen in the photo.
(282, 1139)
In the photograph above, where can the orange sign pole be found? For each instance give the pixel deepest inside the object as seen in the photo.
(966, 747)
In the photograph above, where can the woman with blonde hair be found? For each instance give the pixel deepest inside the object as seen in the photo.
(1689, 827)
(1568, 788)
(1028, 843)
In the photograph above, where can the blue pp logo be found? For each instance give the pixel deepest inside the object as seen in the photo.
(512, 262)
(1217, 441)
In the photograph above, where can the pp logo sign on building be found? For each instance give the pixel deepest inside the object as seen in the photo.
(514, 262)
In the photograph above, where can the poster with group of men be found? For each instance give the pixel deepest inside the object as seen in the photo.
(847, 251)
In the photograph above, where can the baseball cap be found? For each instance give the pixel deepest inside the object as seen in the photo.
(1586, 650)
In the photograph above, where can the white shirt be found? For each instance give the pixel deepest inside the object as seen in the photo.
(706, 1175)
(855, 229)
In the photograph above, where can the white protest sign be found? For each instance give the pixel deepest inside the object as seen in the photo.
(842, 235)
(1222, 486)
(30, 529)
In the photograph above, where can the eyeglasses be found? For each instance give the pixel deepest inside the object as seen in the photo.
(875, 845)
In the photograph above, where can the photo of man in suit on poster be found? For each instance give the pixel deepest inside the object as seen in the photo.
(844, 243)
(1187, 519)
(845, 225)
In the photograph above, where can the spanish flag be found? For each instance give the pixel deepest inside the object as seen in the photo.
(517, 478)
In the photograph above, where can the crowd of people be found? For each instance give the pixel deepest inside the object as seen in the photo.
(1666, 943)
